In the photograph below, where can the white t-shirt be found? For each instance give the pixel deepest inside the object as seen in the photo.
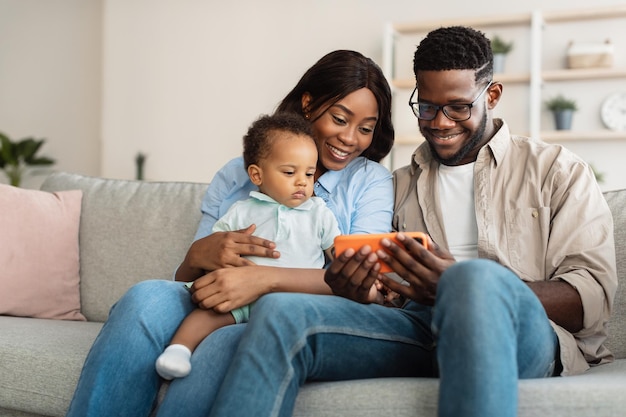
(456, 191)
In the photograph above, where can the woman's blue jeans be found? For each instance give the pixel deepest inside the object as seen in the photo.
(486, 331)
(119, 378)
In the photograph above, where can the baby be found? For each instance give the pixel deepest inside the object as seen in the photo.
(280, 155)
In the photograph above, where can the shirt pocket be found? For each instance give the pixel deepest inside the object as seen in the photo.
(527, 235)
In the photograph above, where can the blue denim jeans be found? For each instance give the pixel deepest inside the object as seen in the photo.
(486, 331)
(119, 378)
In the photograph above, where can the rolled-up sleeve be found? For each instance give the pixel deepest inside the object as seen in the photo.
(582, 253)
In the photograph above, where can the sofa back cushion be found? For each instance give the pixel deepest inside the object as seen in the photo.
(130, 231)
(617, 324)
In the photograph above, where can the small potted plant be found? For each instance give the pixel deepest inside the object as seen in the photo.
(16, 157)
(140, 160)
(500, 49)
(563, 109)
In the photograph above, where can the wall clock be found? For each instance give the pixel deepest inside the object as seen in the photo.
(613, 111)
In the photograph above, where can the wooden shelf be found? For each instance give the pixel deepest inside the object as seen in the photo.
(405, 84)
(551, 75)
(501, 20)
(583, 74)
(505, 77)
(522, 77)
(409, 139)
(588, 14)
(577, 136)
(548, 136)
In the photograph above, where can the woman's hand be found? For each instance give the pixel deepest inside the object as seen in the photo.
(418, 266)
(353, 275)
(224, 249)
(228, 288)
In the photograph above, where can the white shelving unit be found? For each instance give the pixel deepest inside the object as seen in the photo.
(589, 76)
(532, 74)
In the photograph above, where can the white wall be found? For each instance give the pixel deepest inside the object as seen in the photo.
(184, 79)
(181, 80)
(50, 79)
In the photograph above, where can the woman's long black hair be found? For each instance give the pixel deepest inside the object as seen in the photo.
(332, 78)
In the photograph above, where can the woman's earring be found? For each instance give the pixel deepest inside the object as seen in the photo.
(307, 116)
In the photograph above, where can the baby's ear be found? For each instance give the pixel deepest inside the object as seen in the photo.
(256, 174)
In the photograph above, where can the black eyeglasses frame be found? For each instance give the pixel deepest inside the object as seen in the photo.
(415, 106)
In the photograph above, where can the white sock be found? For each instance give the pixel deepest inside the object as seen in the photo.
(174, 362)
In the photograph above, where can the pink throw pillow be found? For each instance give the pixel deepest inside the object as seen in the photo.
(39, 258)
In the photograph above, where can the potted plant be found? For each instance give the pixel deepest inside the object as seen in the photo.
(500, 49)
(563, 109)
(140, 160)
(16, 157)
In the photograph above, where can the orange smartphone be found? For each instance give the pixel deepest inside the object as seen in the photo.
(343, 242)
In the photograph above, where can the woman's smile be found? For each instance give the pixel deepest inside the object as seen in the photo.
(338, 153)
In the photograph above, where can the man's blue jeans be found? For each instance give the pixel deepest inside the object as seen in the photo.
(486, 331)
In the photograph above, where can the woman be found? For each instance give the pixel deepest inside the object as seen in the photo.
(348, 102)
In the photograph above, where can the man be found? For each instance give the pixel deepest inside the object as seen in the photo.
(518, 281)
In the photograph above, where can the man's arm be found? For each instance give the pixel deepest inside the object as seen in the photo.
(581, 278)
(561, 302)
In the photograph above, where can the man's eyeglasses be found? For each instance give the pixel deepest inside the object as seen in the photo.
(455, 112)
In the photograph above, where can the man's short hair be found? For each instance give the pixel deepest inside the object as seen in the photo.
(455, 48)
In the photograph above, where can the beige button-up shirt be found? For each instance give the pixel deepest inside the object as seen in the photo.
(540, 213)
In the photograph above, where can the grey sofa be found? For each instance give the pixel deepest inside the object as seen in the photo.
(132, 231)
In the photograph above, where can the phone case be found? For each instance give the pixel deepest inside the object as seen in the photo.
(343, 242)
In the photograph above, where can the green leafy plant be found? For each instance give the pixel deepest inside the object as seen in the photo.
(16, 157)
(561, 102)
(140, 160)
(499, 46)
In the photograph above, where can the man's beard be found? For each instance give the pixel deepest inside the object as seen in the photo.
(467, 147)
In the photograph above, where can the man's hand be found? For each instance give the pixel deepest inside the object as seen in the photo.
(418, 266)
(353, 275)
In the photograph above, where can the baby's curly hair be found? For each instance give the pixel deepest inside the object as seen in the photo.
(257, 143)
(455, 48)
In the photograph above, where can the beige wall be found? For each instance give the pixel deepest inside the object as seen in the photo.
(50, 79)
(181, 80)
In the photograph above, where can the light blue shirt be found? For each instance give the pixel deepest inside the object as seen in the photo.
(301, 233)
(360, 196)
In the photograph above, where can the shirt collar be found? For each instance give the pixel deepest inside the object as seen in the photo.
(498, 145)
(266, 198)
(330, 179)
(500, 142)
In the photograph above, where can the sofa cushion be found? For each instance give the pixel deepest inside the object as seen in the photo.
(39, 265)
(598, 393)
(130, 231)
(14, 413)
(41, 361)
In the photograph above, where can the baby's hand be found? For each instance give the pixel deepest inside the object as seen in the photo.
(390, 298)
